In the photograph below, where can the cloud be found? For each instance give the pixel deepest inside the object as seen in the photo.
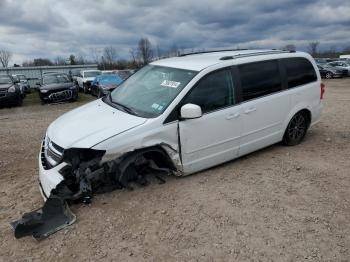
(39, 28)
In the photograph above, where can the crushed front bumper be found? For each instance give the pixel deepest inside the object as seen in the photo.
(49, 178)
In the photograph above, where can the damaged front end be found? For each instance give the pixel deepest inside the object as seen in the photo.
(75, 175)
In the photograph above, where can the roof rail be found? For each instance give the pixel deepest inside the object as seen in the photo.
(211, 51)
(273, 51)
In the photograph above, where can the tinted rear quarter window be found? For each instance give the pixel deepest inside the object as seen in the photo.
(259, 79)
(299, 71)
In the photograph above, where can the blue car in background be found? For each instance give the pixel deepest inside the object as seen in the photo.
(103, 84)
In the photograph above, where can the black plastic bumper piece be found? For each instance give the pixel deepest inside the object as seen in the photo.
(52, 217)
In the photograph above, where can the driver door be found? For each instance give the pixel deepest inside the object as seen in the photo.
(214, 137)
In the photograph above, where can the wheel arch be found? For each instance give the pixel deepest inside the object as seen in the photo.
(157, 153)
(296, 110)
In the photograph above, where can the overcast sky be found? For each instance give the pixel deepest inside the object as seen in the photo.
(51, 28)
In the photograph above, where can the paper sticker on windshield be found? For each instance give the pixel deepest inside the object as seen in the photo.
(155, 106)
(171, 84)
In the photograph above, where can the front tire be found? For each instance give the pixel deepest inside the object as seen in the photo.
(329, 75)
(296, 129)
(85, 89)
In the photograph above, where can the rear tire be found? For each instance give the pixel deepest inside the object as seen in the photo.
(296, 129)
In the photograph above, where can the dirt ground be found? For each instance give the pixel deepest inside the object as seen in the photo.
(278, 204)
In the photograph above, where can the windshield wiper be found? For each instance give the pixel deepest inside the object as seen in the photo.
(122, 107)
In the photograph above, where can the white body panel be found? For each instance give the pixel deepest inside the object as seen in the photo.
(90, 124)
(211, 139)
(263, 120)
(83, 78)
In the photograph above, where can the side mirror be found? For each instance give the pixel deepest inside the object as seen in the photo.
(38, 83)
(190, 111)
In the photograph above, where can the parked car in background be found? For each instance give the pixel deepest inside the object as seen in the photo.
(10, 93)
(104, 84)
(57, 87)
(124, 74)
(321, 61)
(73, 74)
(20, 85)
(341, 64)
(85, 79)
(23, 83)
(327, 71)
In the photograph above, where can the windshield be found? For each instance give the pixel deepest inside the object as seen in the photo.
(55, 79)
(5, 80)
(50, 80)
(63, 79)
(150, 91)
(111, 79)
(91, 73)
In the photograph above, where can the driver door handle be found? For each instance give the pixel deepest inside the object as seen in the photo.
(232, 116)
(250, 110)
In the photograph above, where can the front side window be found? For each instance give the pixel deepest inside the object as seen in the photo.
(213, 92)
(299, 71)
(150, 90)
(259, 79)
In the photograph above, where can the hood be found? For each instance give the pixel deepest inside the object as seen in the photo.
(57, 86)
(109, 85)
(91, 124)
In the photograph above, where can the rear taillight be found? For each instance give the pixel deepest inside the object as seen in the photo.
(323, 89)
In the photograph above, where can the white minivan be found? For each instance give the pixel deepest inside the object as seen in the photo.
(183, 114)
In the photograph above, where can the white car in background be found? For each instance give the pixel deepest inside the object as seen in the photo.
(85, 79)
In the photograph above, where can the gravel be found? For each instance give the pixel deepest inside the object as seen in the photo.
(280, 203)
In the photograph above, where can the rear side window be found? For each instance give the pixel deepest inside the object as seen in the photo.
(299, 71)
(259, 79)
(213, 92)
